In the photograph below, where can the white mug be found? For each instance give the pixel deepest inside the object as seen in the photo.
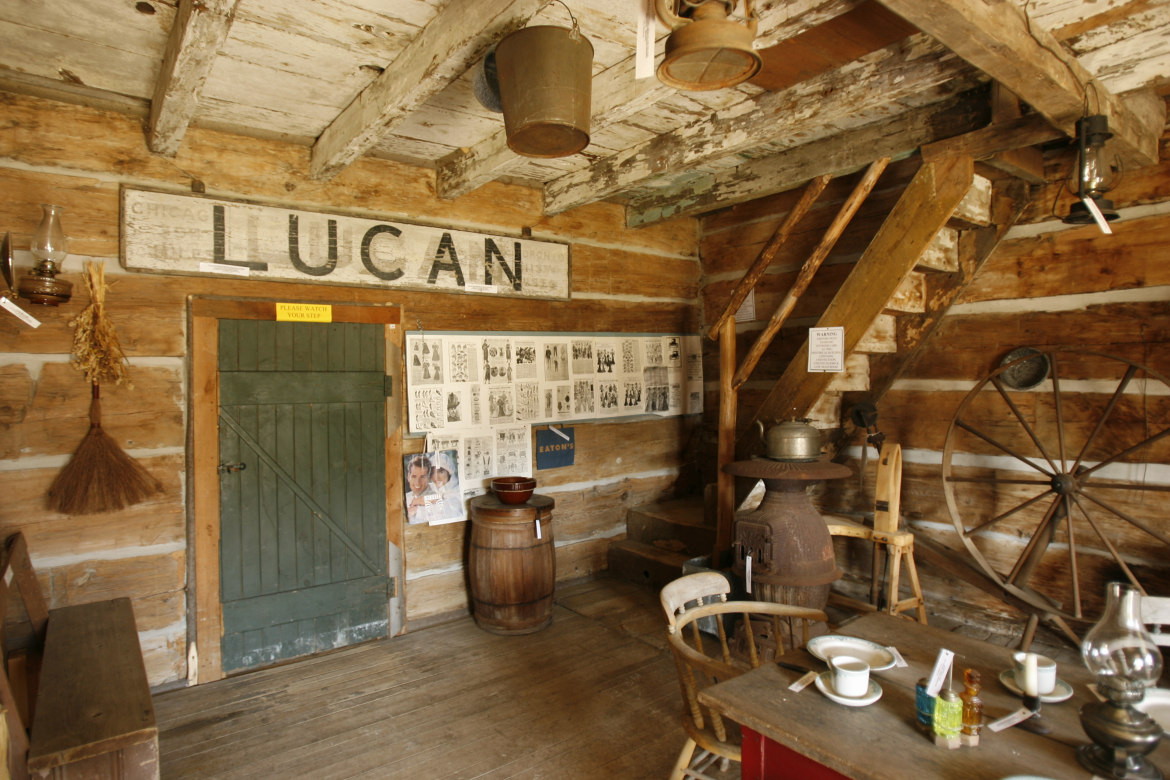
(850, 675)
(1045, 673)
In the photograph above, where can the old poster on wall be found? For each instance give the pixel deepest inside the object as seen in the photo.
(466, 381)
(193, 234)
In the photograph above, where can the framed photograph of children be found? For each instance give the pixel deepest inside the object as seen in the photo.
(432, 488)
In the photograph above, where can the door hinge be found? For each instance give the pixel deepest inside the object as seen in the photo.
(392, 587)
(388, 385)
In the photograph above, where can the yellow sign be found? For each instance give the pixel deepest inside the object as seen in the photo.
(304, 312)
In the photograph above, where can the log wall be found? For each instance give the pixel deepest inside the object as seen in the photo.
(1047, 285)
(623, 280)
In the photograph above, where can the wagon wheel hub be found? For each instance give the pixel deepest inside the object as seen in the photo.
(1064, 484)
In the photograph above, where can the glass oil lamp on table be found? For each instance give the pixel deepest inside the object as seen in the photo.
(1126, 661)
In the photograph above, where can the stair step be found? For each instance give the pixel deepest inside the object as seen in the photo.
(644, 563)
(680, 522)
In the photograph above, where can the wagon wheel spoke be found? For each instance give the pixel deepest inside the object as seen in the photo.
(1060, 440)
(1125, 486)
(1027, 428)
(1109, 545)
(1041, 529)
(998, 481)
(1072, 558)
(1104, 416)
(1008, 513)
(1155, 438)
(1161, 537)
(1006, 449)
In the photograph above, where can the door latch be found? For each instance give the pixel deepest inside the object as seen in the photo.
(227, 468)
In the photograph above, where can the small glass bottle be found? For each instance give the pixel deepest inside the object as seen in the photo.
(924, 703)
(972, 704)
(948, 714)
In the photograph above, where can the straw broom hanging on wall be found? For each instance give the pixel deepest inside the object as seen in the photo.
(100, 477)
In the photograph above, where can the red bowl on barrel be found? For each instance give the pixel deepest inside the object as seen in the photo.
(513, 490)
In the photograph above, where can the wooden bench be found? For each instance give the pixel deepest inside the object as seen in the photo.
(91, 711)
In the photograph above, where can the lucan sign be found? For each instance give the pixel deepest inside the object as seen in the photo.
(191, 234)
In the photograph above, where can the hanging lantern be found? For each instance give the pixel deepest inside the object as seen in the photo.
(707, 50)
(1094, 176)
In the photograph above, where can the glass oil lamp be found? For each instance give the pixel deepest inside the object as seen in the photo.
(49, 246)
(1094, 174)
(1126, 661)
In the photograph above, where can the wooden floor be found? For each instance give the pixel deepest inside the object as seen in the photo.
(595, 695)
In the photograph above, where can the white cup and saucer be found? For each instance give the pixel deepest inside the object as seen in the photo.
(848, 682)
(1050, 688)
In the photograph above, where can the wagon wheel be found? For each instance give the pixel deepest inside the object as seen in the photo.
(1063, 472)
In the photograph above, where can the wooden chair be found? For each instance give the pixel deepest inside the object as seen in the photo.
(899, 545)
(697, 669)
(1156, 613)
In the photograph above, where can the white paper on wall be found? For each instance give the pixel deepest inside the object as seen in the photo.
(556, 361)
(656, 389)
(606, 358)
(608, 398)
(478, 456)
(582, 356)
(632, 395)
(564, 401)
(652, 351)
(426, 409)
(457, 407)
(527, 402)
(501, 407)
(674, 351)
(526, 367)
(513, 450)
(632, 356)
(425, 360)
(497, 361)
(476, 411)
(584, 398)
(463, 361)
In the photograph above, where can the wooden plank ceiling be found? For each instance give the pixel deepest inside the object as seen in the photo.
(844, 82)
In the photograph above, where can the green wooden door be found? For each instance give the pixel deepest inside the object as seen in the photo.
(303, 562)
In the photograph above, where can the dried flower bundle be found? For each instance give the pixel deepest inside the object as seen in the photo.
(96, 350)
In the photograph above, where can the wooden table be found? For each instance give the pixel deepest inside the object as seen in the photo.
(881, 741)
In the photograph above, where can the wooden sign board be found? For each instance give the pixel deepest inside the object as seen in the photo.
(193, 234)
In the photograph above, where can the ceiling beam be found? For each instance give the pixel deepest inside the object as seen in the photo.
(895, 137)
(617, 95)
(198, 33)
(1000, 40)
(812, 106)
(451, 43)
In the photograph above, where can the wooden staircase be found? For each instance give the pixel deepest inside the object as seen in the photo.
(937, 236)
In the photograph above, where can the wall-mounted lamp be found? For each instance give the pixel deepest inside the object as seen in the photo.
(49, 246)
(1095, 178)
(707, 50)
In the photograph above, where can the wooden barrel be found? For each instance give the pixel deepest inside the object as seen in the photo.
(512, 572)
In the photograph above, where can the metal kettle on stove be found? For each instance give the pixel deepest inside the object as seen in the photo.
(793, 441)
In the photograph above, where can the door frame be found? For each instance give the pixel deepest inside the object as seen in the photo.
(203, 316)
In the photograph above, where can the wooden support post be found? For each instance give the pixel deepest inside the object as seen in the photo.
(727, 404)
(749, 280)
(804, 278)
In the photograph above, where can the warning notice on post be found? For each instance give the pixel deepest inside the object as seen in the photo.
(304, 312)
(826, 350)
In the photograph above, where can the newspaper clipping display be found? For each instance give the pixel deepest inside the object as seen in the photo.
(477, 396)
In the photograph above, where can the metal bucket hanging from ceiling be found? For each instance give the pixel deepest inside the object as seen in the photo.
(546, 80)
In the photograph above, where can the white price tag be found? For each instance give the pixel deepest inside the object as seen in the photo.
(899, 661)
(747, 573)
(803, 682)
(1019, 716)
(481, 288)
(942, 666)
(644, 54)
(20, 313)
(559, 432)
(221, 268)
(538, 528)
